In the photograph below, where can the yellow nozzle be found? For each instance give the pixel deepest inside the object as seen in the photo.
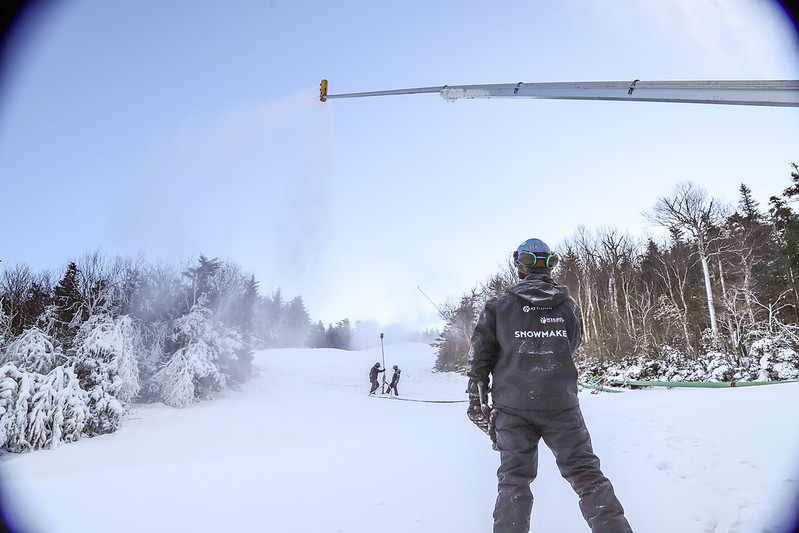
(323, 91)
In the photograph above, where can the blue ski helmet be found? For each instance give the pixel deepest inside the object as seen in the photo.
(534, 253)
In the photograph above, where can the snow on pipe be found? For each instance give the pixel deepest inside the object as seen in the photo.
(776, 93)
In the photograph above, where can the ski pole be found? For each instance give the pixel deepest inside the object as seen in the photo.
(383, 389)
(484, 408)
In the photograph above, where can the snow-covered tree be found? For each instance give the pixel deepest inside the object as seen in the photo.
(58, 409)
(190, 373)
(722, 367)
(776, 356)
(193, 370)
(33, 351)
(16, 390)
(106, 363)
(40, 410)
(155, 336)
(233, 353)
(204, 357)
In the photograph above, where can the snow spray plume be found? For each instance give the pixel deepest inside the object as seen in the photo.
(296, 135)
(265, 169)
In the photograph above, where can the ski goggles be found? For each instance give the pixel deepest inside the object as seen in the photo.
(533, 260)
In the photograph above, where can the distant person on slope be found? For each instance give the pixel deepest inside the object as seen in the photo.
(373, 377)
(394, 380)
(524, 341)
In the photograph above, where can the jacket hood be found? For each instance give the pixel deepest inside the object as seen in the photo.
(540, 290)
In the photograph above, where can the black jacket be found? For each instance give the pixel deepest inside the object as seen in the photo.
(396, 377)
(525, 339)
(374, 371)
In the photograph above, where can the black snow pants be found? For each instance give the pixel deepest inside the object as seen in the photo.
(565, 433)
(392, 386)
(375, 386)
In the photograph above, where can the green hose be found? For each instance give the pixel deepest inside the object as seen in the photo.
(696, 384)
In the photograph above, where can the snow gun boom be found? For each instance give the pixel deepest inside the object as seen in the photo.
(776, 93)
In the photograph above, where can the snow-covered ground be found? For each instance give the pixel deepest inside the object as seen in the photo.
(302, 448)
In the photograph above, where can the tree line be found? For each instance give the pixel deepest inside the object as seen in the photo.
(155, 293)
(716, 298)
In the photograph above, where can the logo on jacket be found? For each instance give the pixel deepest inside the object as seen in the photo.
(528, 308)
(552, 319)
(537, 334)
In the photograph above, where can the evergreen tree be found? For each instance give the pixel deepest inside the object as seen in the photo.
(245, 318)
(36, 303)
(748, 206)
(297, 323)
(270, 319)
(785, 232)
(317, 336)
(793, 190)
(68, 305)
(340, 335)
(274, 314)
(202, 281)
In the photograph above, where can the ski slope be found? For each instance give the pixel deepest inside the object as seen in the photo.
(302, 448)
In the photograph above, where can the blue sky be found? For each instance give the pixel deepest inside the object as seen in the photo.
(178, 128)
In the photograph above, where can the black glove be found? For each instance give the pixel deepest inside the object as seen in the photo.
(480, 413)
(475, 414)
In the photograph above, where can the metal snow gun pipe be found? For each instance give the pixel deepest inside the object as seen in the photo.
(774, 93)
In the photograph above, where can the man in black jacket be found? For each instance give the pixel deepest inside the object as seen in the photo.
(373, 376)
(525, 341)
